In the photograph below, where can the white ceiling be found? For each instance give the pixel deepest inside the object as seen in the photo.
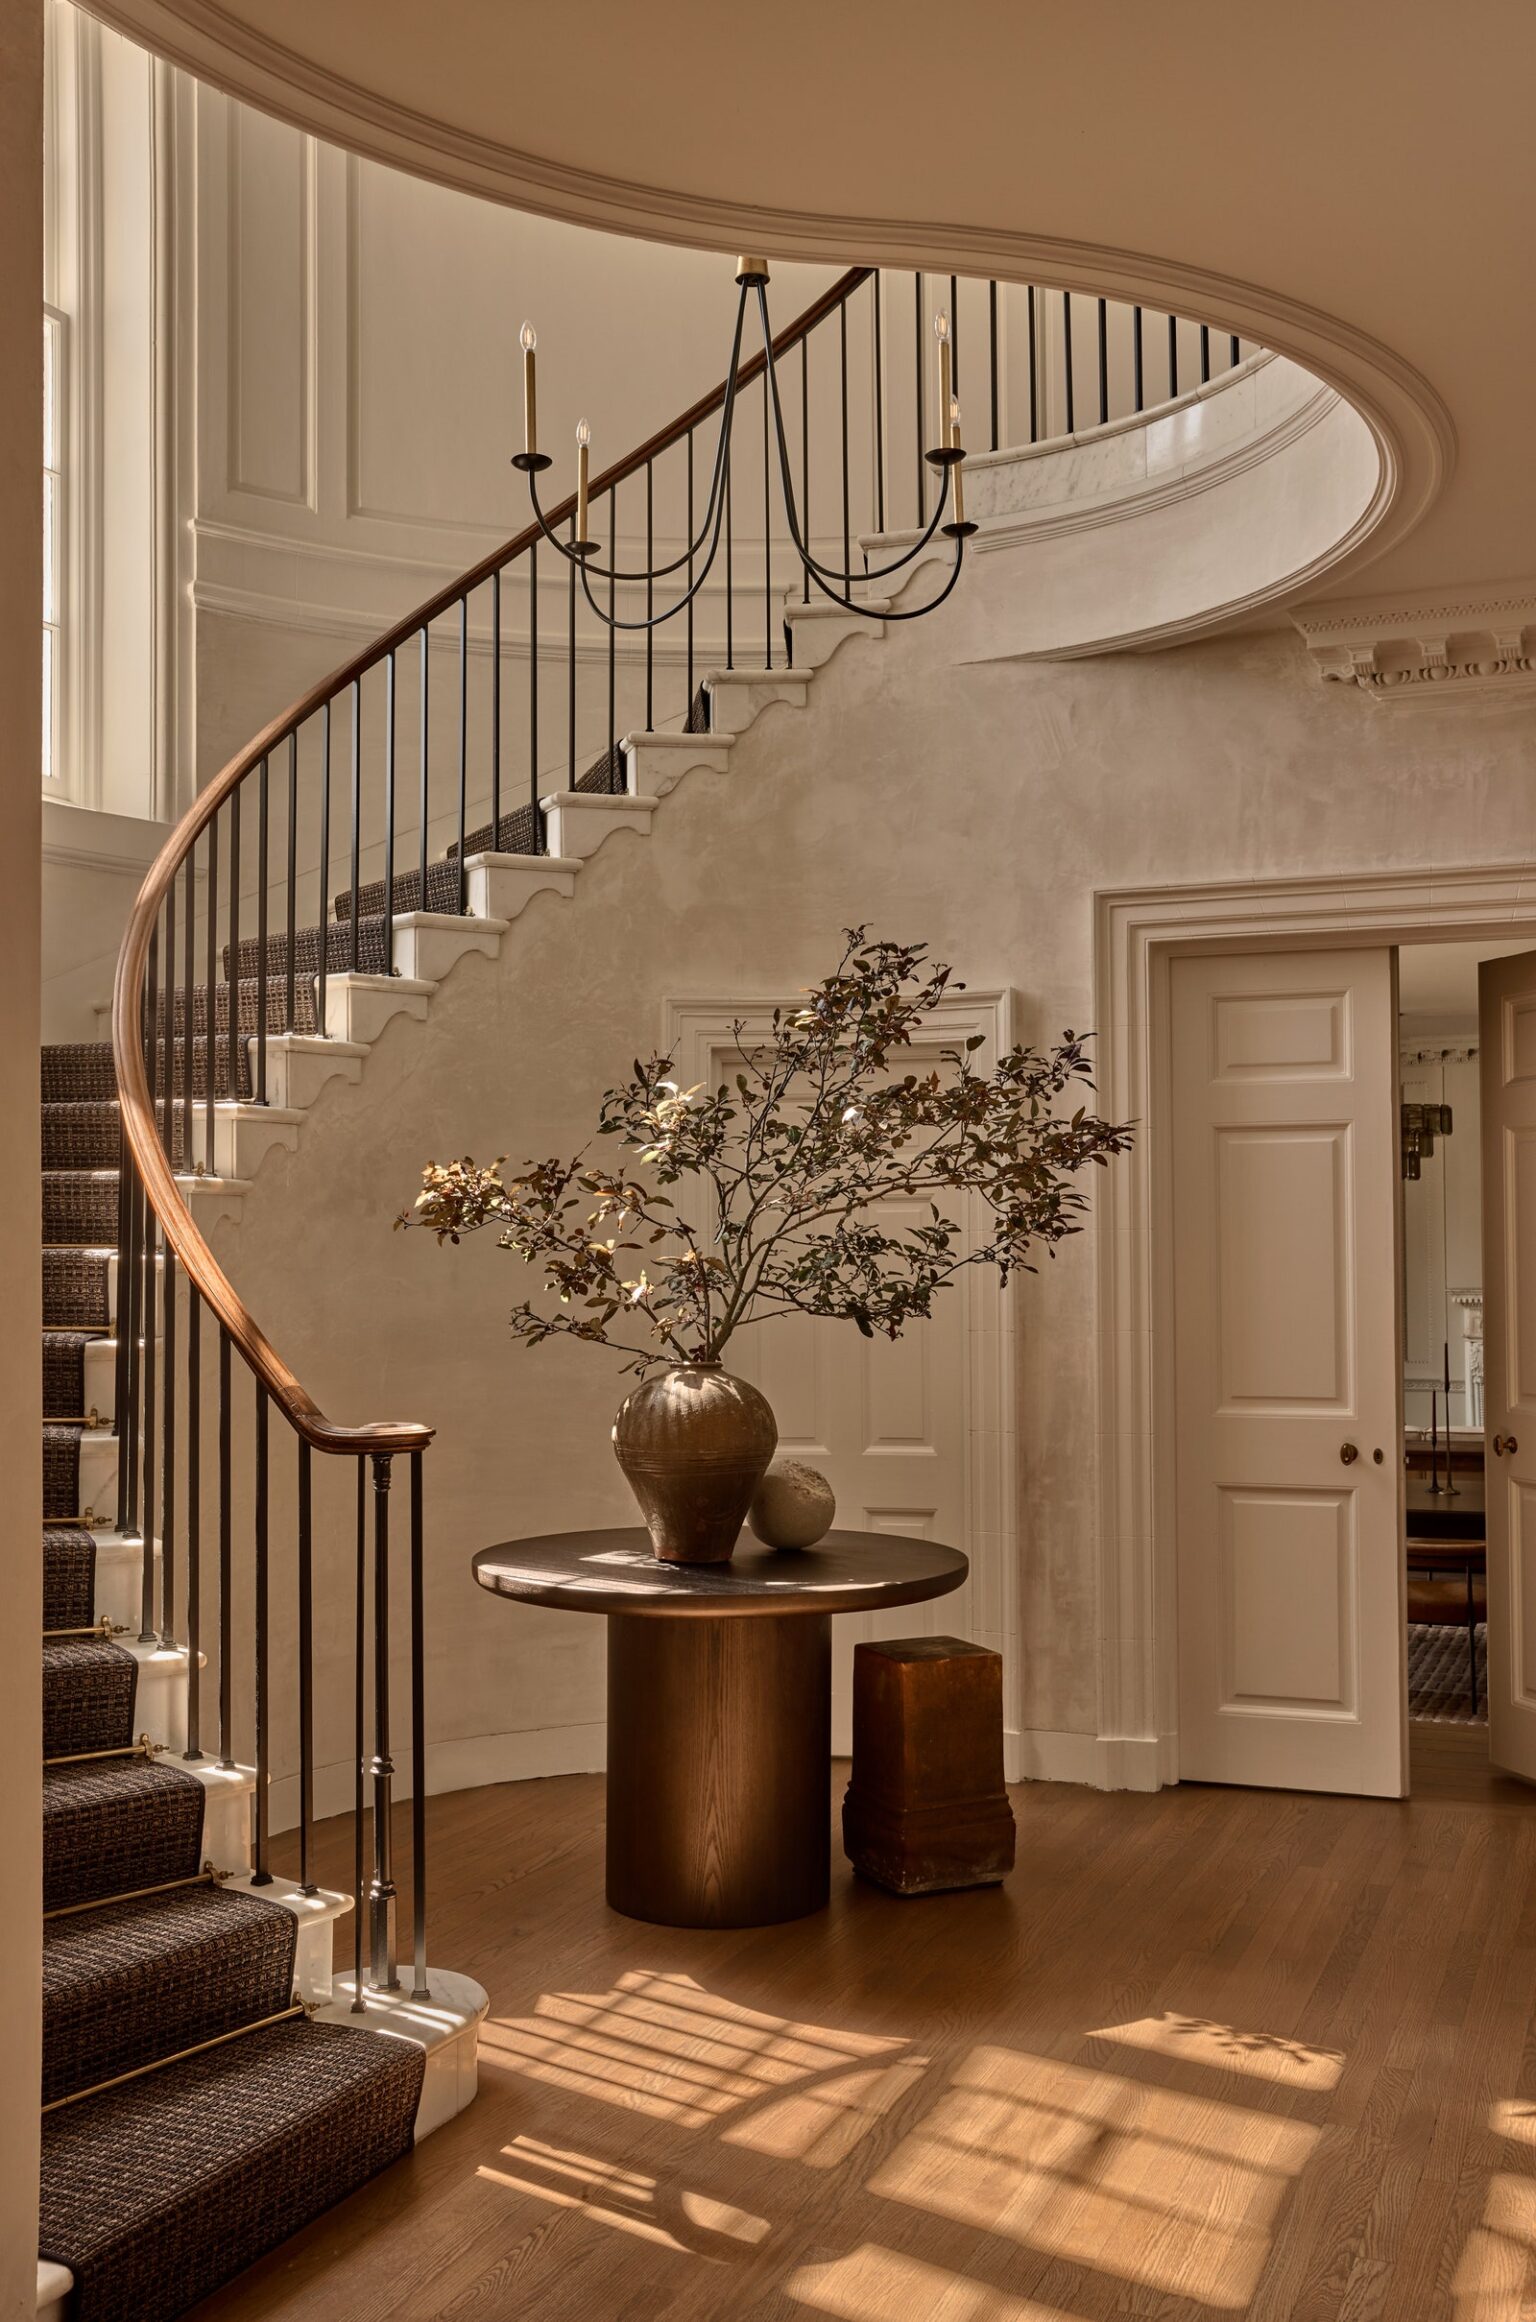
(1352, 183)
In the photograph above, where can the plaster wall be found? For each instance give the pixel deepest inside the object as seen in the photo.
(977, 806)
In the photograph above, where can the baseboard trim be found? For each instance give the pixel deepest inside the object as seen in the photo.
(473, 1762)
(1096, 1760)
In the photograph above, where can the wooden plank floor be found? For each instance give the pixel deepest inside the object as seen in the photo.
(1213, 2052)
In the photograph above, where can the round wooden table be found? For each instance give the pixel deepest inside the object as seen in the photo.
(719, 1706)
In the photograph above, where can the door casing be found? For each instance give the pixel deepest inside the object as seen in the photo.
(1138, 932)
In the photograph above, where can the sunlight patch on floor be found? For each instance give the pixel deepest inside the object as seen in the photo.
(873, 2284)
(663, 2045)
(820, 2126)
(1172, 2192)
(694, 2224)
(1494, 2275)
(1514, 2117)
(1261, 2055)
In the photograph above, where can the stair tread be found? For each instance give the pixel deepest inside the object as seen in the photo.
(111, 1824)
(88, 1695)
(131, 1982)
(261, 2134)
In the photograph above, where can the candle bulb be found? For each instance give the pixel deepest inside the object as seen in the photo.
(941, 333)
(583, 439)
(528, 339)
(959, 472)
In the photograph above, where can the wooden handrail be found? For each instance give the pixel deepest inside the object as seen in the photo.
(138, 1115)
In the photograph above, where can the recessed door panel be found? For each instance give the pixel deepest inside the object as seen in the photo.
(1281, 1036)
(1283, 1273)
(1279, 1550)
(1282, 1145)
(1520, 1248)
(1518, 1042)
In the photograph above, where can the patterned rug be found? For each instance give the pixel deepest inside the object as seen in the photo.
(1439, 1678)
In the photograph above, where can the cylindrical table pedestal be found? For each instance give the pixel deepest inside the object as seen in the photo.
(719, 1750)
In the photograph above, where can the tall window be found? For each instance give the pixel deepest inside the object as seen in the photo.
(53, 532)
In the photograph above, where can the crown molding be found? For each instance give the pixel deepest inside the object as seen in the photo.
(1480, 642)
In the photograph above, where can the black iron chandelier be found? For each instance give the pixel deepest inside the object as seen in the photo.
(947, 457)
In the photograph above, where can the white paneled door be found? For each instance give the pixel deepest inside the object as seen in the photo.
(1284, 1180)
(1507, 1059)
(885, 1421)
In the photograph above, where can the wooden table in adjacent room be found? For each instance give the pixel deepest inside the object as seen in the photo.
(719, 1706)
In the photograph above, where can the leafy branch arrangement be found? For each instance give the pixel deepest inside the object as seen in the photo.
(784, 1173)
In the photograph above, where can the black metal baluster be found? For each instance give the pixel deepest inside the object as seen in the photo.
(261, 934)
(1066, 361)
(381, 1893)
(194, 1748)
(151, 1322)
(424, 798)
(920, 349)
(496, 711)
(226, 1564)
(879, 416)
(325, 865)
(232, 950)
(420, 1989)
(650, 586)
(1234, 351)
(130, 1312)
(169, 1012)
(992, 365)
(534, 784)
(1205, 353)
(122, 1337)
(767, 542)
(389, 814)
(210, 989)
(147, 1438)
(805, 458)
(730, 564)
(168, 1461)
(291, 965)
(1103, 361)
(463, 745)
(357, 807)
(306, 1672)
(842, 359)
(1137, 381)
(165, 1027)
(1173, 356)
(261, 1876)
(360, 1602)
(189, 978)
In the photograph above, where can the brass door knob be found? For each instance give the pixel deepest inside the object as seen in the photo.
(1503, 1443)
(1349, 1453)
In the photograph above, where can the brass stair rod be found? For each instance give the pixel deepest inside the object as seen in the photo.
(198, 2048)
(206, 1877)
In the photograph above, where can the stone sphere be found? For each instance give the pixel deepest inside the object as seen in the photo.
(793, 1506)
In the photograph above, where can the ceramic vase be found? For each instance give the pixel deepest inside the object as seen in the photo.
(693, 1443)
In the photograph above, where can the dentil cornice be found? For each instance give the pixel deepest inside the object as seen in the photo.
(1479, 642)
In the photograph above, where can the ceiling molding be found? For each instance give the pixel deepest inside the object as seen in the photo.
(1476, 644)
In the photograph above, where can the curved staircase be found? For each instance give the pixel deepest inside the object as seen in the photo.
(210, 2086)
